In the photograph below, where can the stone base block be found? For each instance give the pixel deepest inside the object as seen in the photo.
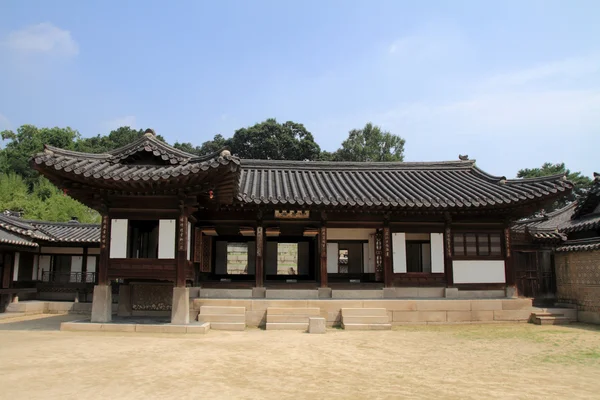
(124, 305)
(292, 294)
(226, 293)
(451, 293)
(389, 293)
(180, 313)
(357, 294)
(102, 304)
(324, 293)
(511, 292)
(589, 317)
(316, 325)
(259, 292)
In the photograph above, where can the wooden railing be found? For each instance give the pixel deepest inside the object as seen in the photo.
(68, 277)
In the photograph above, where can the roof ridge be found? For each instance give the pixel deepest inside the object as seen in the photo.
(297, 164)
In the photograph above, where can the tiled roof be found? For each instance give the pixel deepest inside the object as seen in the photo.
(591, 203)
(448, 185)
(580, 245)
(10, 238)
(30, 232)
(546, 227)
(72, 232)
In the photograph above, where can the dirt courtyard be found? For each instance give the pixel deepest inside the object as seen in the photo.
(517, 361)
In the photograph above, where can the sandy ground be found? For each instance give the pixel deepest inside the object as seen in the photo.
(518, 361)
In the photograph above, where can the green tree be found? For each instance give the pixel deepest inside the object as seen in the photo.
(29, 140)
(115, 139)
(267, 140)
(371, 143)
(208, 147)
(581, 183)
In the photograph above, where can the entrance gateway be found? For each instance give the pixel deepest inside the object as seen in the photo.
(172, 221)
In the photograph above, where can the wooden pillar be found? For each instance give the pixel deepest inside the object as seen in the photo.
(448, 270)
(387, 255)
(182, 243)
(259, 270)
(508, 260)
(84, 265)
(103, 259)
(323, 251)
(7, 271)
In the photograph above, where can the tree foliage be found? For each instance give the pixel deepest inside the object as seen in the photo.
(23, 189)
(44, 201)
(371, 143)
(582, 183)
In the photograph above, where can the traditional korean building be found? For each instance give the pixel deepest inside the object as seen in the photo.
(562, 248)
(172, 221)
(46, 260)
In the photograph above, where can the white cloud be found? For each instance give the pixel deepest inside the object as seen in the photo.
(569, 68)
(432, 41)
(42, 38)
(116, 123)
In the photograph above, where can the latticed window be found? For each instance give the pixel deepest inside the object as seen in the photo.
(478, 244)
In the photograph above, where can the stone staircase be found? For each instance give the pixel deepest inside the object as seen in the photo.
(365, 319)
(280, 318)
(553, 316)
(223, 318)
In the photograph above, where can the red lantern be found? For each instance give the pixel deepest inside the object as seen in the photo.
(210, 194)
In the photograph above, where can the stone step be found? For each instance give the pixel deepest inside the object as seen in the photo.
(306, 311)
(366, 319)
(367, 327)
(228, 326)
(551, 321)
(355, 312)
(222, 310)
(291, 318)
(222, 318)
(294, 326)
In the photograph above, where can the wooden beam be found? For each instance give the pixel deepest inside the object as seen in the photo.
(104, 250)
(387, 255)
(259, 271)
(448, 268)
(323, 252)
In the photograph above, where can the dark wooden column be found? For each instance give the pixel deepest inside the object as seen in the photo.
(448, 270)
(323, 253)
(102, 272)
(84, 264)
(387, 255)
(259, 268)
(7, 271)
(182, 243)
(508, 260)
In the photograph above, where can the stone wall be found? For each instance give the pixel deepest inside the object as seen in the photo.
(578, 282)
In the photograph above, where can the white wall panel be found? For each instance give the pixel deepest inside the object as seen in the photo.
(166, 238)
(399, 252)
(118, 238)
(478, 271)
(76, 265)
(370, 265)
(90, 266)
(16, 266)
(437, 253)
(44, 265)
(332, 257)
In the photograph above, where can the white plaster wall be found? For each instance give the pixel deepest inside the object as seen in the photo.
(61, 250)
(118, 238)
(166, 238)
(437, 253)
(348, 234)
(399, 252)
(479, 271)
(44, 265)
(332, 258)
(34, 270)
(16, 264)
(370, 250)
(76, 265)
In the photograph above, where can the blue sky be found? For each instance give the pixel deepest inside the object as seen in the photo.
(512, 84)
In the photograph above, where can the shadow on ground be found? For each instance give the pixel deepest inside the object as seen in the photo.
(37, 323)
